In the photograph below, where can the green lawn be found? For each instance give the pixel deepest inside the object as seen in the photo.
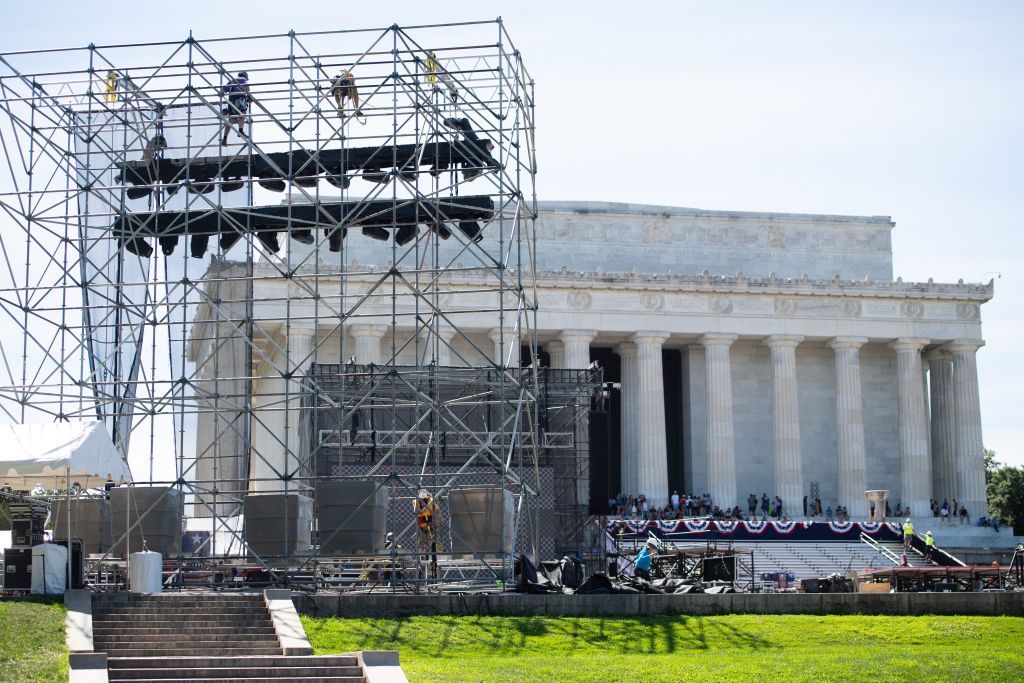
(32, 641)
(666, 648)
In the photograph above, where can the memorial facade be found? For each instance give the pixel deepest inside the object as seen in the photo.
(746, 352)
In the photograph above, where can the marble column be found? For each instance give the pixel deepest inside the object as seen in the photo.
(720, 431)
(943, 424)
(301, 345)
(277, 446)
(445, 337)
(629, 440)
(788, 470)
(915, 461)
(506, 348)
(970, 449)
(556, 353)
(652, 458)
(576, 344)
(367, 340)
(852, 458)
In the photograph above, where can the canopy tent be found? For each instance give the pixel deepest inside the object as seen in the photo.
(58, 455)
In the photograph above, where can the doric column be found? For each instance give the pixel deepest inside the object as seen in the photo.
(720, 432)
(789, 482)
(850, 425)
(629, 440)
(940, 369)
(301, 343)
(556, 353)
(506, 347)
(577, 347)
(970, 449)
(915, 462)
(652, 462)
(445, 336)
(367, 342)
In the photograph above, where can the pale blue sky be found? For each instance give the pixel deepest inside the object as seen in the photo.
(908, 109)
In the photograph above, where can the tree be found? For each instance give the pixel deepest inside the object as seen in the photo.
(1005, 485)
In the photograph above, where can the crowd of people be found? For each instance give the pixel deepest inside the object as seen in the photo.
(948, 514)
(764, 507)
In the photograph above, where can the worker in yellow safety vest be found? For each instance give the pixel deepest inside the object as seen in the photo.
(929, 545)
(426, 523)
(908, 534)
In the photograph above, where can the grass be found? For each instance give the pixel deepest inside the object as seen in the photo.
(674, 648)
(32, 641)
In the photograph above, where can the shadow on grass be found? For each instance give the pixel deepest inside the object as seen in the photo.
(443, 637)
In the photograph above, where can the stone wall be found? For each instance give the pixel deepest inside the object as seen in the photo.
(511, 604)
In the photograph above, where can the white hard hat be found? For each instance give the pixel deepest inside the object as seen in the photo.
(908, 519)
(653, 541)
(929, 533)
(424, 493)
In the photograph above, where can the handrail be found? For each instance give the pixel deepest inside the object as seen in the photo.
(879, 548)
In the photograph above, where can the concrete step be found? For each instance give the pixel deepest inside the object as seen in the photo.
(185, 617)
(249, 672)
(178, 609)
(184, 639)
(238, 661)
(275, 679)
(190, 651)
(141, 630)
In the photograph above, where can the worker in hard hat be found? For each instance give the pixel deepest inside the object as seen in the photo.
(426, 524)
(908, 534)
(642, 569)
(929, 545)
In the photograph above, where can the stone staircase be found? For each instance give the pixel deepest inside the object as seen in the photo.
(209, 637)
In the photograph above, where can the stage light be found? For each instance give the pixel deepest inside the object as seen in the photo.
(138, 246)
(307, 182)
(472, 230)
(441, 229)
(168, 244)
(341, 182)
(232, 185)
(335, 236)
(198, 245)
(376, 233)
(303, 235)
(405, 234)
(269, 240)
(272, 184)
(376, 176)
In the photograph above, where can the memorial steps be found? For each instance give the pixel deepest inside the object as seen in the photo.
(204, 638)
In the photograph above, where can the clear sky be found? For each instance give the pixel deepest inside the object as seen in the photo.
(912, 110)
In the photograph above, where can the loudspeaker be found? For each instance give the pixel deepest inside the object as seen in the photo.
(17, 569)
(719, 568)
(269, 518)
(600, 465)
(481, 521)
(90, 521)
(160, 508)
(77, 578)
(351, 516)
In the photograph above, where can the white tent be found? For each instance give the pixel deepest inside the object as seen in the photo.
(59, 454)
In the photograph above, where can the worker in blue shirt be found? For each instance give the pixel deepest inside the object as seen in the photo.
(644, 559)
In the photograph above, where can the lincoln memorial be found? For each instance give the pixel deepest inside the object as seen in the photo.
(744, 352)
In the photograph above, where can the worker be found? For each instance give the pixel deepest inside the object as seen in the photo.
(343, 87)
(426, 524)
(237, 106)
(644, 559)
(929, 545)
(113, 80)
(908, 534)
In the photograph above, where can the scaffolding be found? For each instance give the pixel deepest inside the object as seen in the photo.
(257, 257)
